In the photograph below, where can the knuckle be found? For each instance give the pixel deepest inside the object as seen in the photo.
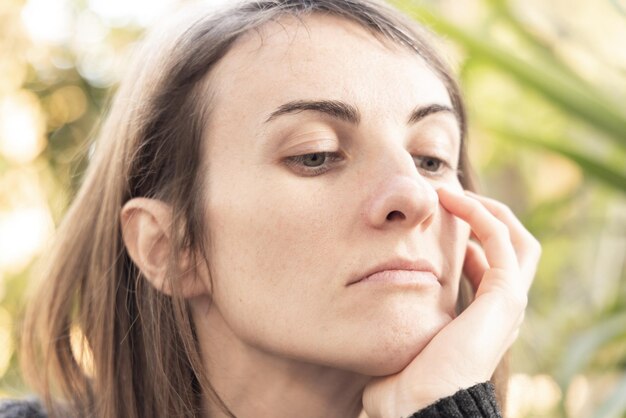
(522, 317)
(502, 209)
(534, 246)
(537, 246)
(513, 337)
(521, 302)
(512, 294)
(502, 229)
(518, 301)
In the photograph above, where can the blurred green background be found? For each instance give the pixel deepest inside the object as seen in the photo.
(545, 83)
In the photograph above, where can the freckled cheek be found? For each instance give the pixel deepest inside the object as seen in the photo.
(274, 231)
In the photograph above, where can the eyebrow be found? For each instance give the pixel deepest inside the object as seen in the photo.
(334, 108)
(349, 113)
(420, 112)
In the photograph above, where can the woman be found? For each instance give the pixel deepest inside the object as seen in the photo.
(274, 224)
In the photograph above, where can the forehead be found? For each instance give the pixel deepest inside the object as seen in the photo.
(321, 57)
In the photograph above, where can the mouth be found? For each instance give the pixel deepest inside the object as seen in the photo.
(401, 271)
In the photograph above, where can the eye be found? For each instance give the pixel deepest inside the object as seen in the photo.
(313, 163)
(430, 164)
(314, 160)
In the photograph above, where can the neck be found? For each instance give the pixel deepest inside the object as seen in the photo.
(252, 382)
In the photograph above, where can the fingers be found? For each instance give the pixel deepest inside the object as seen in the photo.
(527, 248)
(492, 233)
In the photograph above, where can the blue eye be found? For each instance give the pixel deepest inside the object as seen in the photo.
(314, 160)
(313, 163)
(430, 164)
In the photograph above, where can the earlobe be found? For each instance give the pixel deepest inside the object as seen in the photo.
(145, 227)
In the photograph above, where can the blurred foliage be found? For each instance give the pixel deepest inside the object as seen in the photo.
(548, 128)
(545, 84)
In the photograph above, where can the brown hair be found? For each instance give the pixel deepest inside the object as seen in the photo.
(144, 355)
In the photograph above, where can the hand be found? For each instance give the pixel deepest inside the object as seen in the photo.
(468, 349)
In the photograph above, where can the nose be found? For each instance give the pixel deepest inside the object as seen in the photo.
(404, 198)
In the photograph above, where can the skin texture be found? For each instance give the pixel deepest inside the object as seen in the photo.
(284, 245)
(283, 329)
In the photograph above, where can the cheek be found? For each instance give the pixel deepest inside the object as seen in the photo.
(272, 233)
(271, 256)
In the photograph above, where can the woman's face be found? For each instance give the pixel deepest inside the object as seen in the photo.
(289, 236)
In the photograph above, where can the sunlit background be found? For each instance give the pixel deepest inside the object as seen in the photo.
(546, 86)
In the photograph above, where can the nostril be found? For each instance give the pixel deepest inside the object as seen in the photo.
(395, 215)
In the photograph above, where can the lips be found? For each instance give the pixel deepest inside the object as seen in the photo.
(417, 265)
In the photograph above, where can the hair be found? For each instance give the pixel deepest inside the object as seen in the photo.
(98, 339)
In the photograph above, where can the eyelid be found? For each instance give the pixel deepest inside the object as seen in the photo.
(440, 156)
(437, 141)
(311, 146)
(436, 150)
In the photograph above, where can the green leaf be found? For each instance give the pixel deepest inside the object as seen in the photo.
(578, 99)
(592, 168)
(583, 347)
(615, 405)
(538, 45)
(619, 7)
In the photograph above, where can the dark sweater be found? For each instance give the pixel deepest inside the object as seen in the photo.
(29, 408)
(479, 401)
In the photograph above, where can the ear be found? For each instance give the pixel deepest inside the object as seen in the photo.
(146, 233)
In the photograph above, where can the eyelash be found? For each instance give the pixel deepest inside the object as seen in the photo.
(297, 161)
(443, 165)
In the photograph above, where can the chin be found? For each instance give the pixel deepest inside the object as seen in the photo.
(389, 347)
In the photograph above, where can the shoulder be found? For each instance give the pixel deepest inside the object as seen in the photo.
(25, 408)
